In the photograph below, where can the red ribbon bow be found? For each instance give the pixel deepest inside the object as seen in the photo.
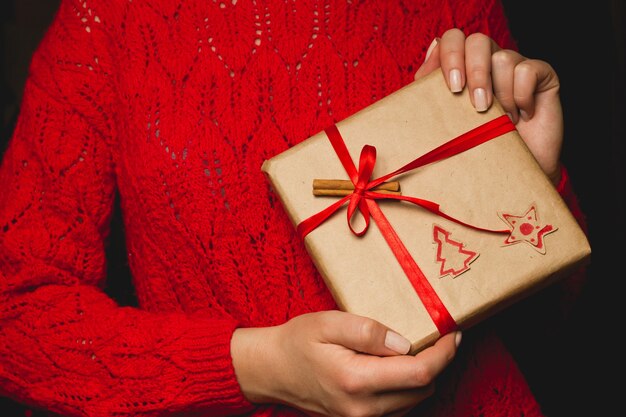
(365, 200)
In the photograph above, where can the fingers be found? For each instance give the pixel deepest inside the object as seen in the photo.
(405, 372)
(452, 55)
(362, 334)
(517, 81)
(503, 65)
(394, 384)
(467, 61)
(431, 61)
(478, 63)
(531, 77)
(381, 382)
(478, 51)
(432, 46)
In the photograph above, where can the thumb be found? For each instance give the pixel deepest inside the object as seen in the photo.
(432, 61)
(364, 335)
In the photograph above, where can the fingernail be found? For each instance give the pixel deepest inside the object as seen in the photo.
(397, 343)
(430, 48)
(510, 115)
(457, 338)
(523, 114)
(455, 81)
(480, 99)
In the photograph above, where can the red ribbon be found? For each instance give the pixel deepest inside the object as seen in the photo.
(365, 200)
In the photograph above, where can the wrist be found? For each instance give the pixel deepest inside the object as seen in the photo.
(252, 354)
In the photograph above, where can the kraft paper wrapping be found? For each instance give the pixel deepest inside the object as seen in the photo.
(500, 176)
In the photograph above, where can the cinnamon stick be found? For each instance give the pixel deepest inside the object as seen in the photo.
(342, 188)
(342, 193)
(321, 184)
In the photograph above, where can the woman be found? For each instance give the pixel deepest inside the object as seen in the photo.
(175, 105)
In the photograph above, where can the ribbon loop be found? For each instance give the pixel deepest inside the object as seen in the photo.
(358, 200)
(366, 167)
(367, 161)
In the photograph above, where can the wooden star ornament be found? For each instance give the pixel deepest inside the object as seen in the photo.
(527, 228)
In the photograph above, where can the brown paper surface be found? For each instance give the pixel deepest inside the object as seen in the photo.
(500, 176)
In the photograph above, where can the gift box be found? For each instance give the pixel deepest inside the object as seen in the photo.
(474, 226)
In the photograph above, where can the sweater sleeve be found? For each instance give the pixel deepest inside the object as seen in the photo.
(65, 346)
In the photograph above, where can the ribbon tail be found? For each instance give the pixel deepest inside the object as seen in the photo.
(336, 140)
(433, 208)
(308, 225)
(468, 140)
(431, 301)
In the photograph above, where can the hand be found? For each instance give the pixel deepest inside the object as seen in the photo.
(527, 89)
(335, 363)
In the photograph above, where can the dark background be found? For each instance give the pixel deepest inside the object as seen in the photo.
(586, 45)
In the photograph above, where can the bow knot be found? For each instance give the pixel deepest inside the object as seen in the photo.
(359, 191)
(363, 195)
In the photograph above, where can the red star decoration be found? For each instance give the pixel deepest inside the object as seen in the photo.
(527, 228)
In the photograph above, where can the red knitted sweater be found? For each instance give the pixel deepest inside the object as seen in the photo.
(175, 104)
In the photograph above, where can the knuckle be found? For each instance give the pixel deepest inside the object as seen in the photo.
(505, 99)
(525, 70)
(521, 100)
(478, 72)
(452, 55)
(423, 375)
(452, 44)
(350, 383)
(330, 319)
(367, 331)
(478, 38)
(454, 32)
(324, 323)
(502, 58)
(326, 318)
